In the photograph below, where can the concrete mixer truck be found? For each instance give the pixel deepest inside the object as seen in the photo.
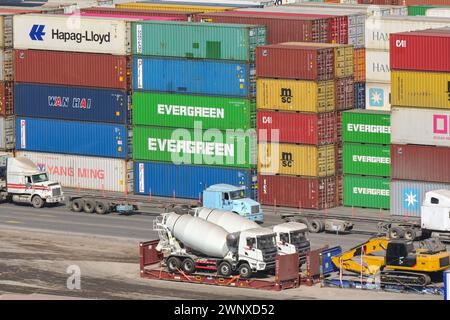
(191, 244)
(290, 236)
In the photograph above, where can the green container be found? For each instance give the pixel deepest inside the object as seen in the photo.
(366, 126)
(197, 40)
(419, 10)
(367, 159)
(181, 111)
(366, 192)
(189, 146)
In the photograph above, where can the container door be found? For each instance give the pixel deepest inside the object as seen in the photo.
(10, 141)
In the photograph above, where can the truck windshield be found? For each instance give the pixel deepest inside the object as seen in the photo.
(265, 242)
(236, 195)
(42, 177)
(297, 237)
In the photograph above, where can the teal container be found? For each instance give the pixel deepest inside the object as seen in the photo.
(197, 40)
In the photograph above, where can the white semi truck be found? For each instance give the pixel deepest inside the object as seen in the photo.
(21, 181)
(192, 244)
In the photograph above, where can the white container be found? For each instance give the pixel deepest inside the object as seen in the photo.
(72, 33)
(7, 134)
(377, 66)
(438, 12)
(6, 65)
(420, 126)
(378, 29)
(372, 10)
(82, 172)
(378, 96)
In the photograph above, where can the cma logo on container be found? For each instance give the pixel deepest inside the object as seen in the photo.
(65, 102)
(400, 43)
(441, 125)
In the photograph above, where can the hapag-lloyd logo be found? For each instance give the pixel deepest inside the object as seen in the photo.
(37, 34)
(441, 126)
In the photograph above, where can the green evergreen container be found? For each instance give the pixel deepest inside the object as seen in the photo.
(366, 192)
(188, 146)
(419, 10)
(181, 111)
(197, 40)
(366, 126)
(367, 159)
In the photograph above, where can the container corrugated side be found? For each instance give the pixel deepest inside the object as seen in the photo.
(71, 68)
(296, 160)
(183, 15)
(359, 64)
(192, 146)
(364, 126)
(6, 98)
(82, 172)
(6, 30)
(188, 181)
(377, 66)
(295, 95)
(438, 12)
(72, 137)
(366, 192)
(205, 77)
(66, 33)
(421, 89)
(72, 103)
(170, 7)
(367, 159)
(308, 193)
(344, 90)
(197, 40)
(418, 10)
(378, 96)
(7, 134)
(360, 95)
(184, 111)
(6, 64)
(407, 196)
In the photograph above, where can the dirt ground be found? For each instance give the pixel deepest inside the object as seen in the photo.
(37, 262)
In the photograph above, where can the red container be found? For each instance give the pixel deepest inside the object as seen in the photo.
(302, 128)
(294, 62)
(339, 190)
(307, 193)
(6, 98)
(423, 163)
(279, 28)
(421, 50)
(185, 16)
(71, 68)
(345, 98)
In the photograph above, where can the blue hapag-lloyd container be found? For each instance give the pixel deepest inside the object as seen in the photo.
(71, 103)
(73, 137)
(188, 181)
(194, 76)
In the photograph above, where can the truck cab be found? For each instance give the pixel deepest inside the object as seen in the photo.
(23, 182)
(230, 198)
(435, 214)
(290, 237)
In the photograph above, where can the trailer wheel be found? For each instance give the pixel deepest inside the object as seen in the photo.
(188, 266)
(315, 226)
(101, 207)
(225, 269)
(410, 234)
(396, 233)
(244, 271)
(173, 264)
(37, 202)
(77, 205)
(89, 206)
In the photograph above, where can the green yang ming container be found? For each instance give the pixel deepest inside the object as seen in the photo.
(231, 148)
(366, 126)
(197, 40)
(367, 159)
(184, 111)
(366, 192)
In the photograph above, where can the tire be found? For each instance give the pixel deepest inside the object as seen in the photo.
(173, 264)
(224, 269)
(188, 266)
(101, 207)
(37, 202)
(322, 226)
(315, 226)
(245, 271)
(396, 233)
(89, 206)
(77, 205)
(410, 234)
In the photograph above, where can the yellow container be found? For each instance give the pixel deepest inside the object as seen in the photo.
(170, 7)
(296, 160)
(295, 95)
(420, 89)
(343, 56)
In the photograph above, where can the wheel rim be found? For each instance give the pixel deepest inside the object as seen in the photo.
(189, 266)
(245, 271)
(394, 234)
(409, 235)
(225, 269)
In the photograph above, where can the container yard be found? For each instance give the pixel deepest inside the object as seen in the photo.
(225, 150)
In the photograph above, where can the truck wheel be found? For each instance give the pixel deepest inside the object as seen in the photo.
(101, 208)
(89, 206)
(173, 264)
(410, 234)
(245, 271)
(225, 269)
(315, 226)
(396, 233)
(37, 202)
(77, 205)
(188, 266)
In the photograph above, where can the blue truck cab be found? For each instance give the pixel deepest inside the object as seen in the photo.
(231, 198)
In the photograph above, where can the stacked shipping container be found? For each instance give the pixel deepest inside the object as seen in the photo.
(420, 117)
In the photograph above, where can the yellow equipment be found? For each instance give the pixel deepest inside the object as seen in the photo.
(400, 263)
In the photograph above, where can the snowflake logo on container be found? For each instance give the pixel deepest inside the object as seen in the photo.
(411, 199)
(376, 97)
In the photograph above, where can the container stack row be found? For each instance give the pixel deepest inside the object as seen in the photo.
(194, 113)
(420, 117)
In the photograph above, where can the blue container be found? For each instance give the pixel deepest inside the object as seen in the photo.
(82, 138)
(71, 103)
(360, 95)
(199, 76)
(327, 264)
(188, 181)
